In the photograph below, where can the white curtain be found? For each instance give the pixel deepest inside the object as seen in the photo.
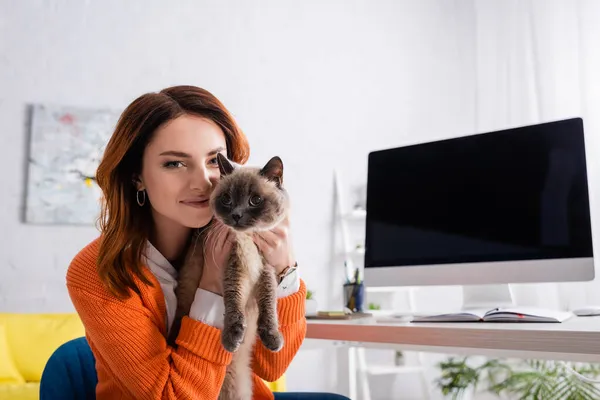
(537, 61)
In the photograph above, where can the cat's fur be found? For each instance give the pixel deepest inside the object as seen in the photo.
(249, 285)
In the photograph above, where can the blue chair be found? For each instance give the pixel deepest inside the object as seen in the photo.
(70, 373)
(309, 396)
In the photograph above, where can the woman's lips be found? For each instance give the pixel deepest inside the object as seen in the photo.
(197, 203)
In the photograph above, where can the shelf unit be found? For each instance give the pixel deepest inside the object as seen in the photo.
(392, 369)
(358, 368)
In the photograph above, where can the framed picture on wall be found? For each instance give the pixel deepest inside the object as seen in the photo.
(65, 148)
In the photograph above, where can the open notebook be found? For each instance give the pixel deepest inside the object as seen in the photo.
(506, 314)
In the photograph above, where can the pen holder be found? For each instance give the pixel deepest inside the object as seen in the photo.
(354, 295)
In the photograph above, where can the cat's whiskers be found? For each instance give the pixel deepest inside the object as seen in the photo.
(205, 243)
(196, 239)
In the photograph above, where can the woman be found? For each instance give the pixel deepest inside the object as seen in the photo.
(156, 176)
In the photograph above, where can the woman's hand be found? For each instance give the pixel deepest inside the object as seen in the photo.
(216, 255)
(276, 246)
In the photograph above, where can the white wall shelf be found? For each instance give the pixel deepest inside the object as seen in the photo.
(393, 369)
(358, 368)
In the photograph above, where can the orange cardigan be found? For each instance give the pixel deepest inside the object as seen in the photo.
(128, 339)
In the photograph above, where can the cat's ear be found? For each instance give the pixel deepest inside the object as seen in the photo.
(224, 165)
(273, 171)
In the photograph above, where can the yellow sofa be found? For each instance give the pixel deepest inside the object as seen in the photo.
(26, 343)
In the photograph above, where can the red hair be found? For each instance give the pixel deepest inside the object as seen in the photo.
(124, 225)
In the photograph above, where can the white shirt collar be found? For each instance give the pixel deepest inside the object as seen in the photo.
(159, 265)
(166, 275)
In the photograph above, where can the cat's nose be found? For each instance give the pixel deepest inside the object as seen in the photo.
(236, 216)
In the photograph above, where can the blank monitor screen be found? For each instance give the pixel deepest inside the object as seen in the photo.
(516, 194)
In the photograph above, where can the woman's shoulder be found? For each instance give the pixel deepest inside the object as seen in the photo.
(82, 269)
(83, 274)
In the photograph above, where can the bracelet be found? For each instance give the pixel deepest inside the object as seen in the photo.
(286, 271)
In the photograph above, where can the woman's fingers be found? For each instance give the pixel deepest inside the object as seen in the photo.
(267, 241)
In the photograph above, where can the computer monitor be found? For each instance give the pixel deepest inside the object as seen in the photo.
(502, 207)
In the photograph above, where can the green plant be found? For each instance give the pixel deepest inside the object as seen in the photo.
(310, 295)
(458, 376)
(399, 358)
(374, 306)
(519, 379)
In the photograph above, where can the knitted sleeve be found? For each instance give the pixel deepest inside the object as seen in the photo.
(292, 324)
(131, 351)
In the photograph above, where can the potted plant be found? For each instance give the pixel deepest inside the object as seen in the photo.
(519, 379)
(376, 310)
(459, 379)
(311, 303)
(399, 359)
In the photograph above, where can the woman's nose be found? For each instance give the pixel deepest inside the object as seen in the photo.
(201, 180)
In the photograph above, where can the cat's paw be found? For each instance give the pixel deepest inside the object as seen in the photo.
(233, 332)
(272, 339)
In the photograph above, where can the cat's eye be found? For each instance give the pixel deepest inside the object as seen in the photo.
(255, 200)
(226, 199)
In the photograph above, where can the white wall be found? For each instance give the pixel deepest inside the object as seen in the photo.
(320, 83)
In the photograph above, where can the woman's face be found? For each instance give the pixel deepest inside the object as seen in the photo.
(179, 171)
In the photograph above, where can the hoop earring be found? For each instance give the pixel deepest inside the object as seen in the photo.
(137, 197)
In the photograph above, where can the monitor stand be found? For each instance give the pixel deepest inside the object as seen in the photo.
(487, 296)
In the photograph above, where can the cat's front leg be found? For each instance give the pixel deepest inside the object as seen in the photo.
(236, 290)
(266, 297)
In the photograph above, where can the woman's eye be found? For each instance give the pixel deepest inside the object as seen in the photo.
(226, 199)
(213, 161)
(255, 200)
(173, 164)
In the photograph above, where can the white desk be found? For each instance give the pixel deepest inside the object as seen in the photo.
(577, 339)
